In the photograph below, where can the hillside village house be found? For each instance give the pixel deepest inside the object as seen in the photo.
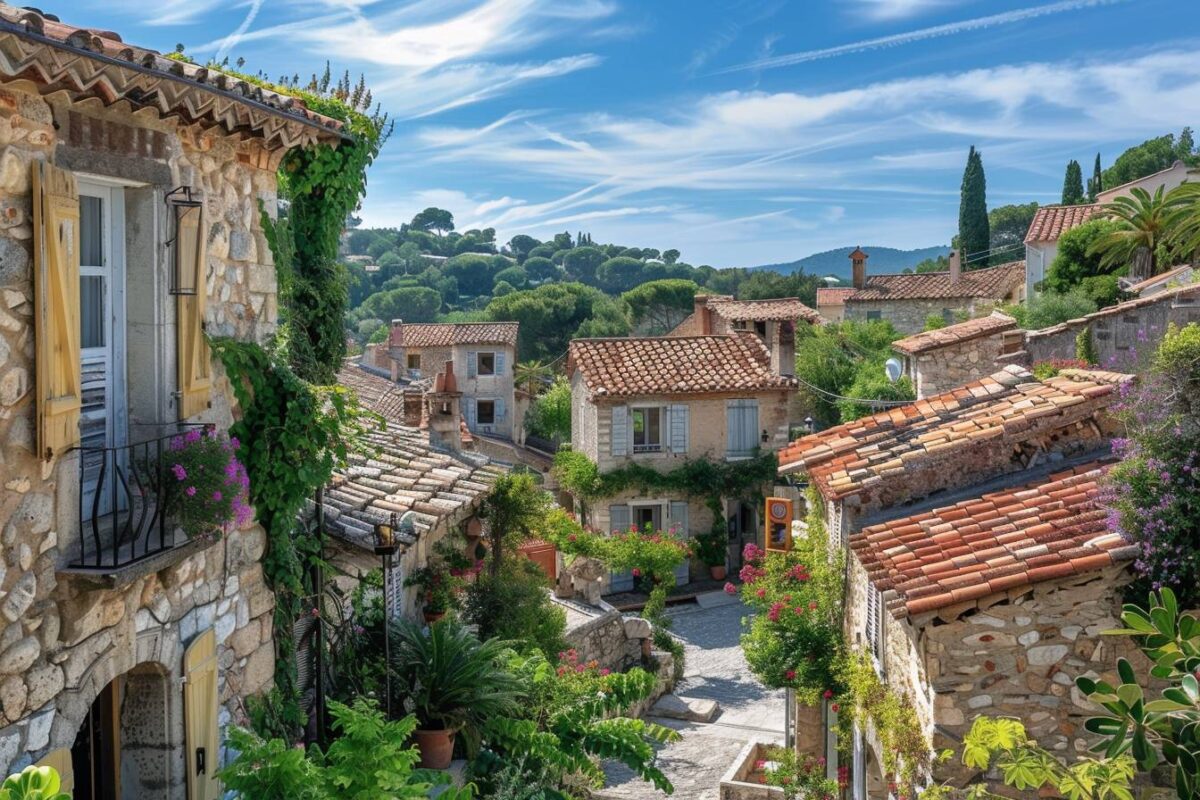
(980, 567)
(831, 302)
(773, 321)
(659, 402)
(908, 300)
(125, 649)
(942, 359)
(483, 354)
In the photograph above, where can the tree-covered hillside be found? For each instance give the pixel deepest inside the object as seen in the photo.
(836, 262)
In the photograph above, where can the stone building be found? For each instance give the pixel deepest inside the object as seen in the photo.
(939, 360)
(1041, 240)
(126, 648)
(991, 605)
(908, 300)
(831, 302)
(483, 354)
(659, 402)
(774, 321)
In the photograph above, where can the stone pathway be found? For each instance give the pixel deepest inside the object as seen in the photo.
(715, 670)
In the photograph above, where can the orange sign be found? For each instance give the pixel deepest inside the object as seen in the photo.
(779, 523)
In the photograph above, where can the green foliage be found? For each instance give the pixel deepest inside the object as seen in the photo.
(1001, 743)
(433, 219)
(1051, 308)
(658, 306)
(1085, 347)
(766, 284)
(1077, 263)
(1007, 227)
(516, 607)
(1072, 192)
(869, 386)
(1095, 183)
(906, 754)
(572, 718)
(514, 508)
(581, 264)
(934, 322)
(449, 680)
(553, 314)
(1154, 730)
(293, 435)
(549, 415)
(842, 359)
(33, 783)
(369, 760)
(1183, 222)
(801, 777)
(974, 232)
(1141, 228)
(711, 548)
(411, 304)
(1149, 157)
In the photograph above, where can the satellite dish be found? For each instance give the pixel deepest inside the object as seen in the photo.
(894, 369)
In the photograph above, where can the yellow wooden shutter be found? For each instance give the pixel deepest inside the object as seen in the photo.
(200, 717)
(60, 761)
(195, 360)
(56, 304)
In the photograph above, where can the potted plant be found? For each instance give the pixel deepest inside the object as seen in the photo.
(438, 590)
(711, 549)
(453, 683)
(205, 487)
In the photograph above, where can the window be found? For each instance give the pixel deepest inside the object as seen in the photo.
(874, 628)
(414, 360)
(741, 420)
(487, 363)
(761, 329)
(485, 412)
(648, 517)
(647, 430)
(874, 315)
(947, 316)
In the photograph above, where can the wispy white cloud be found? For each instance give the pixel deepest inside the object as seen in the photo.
(885, 10)
(231, 41)
(922, 34)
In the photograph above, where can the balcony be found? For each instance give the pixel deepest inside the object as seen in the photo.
(125, 531)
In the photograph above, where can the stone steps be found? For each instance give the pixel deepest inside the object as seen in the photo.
(690, 709)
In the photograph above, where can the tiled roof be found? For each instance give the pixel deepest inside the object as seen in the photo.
(1051, 222)
(406, 474)
(994, 283)
(779, 309)
(375, 392)
(1181, 275)
(955, 334)
(88, 63)
(674, 365)
(1008, 405)
(834, 295)
(446, 334)
(1008, 539)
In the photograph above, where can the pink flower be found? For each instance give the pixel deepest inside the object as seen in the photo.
(217, 497)
(605, 671)
(761, 593)
(775, 611)
(798, 611)
(730, 588)
(760, 764)
(191, 491)
(790, 674)
(637, 573)
(812, 606)
(835, 708)
(179, 472)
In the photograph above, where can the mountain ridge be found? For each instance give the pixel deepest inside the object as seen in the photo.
(836, 262)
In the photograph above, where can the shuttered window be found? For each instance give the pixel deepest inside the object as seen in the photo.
(56, 308)
(194, 358)
(620, 430)
(471, 413)
(200, 717)
(499, 363)
(872, 619)
(472, 364)
(742, 428)
(678, 415)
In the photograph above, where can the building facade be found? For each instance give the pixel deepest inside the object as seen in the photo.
(775, 322)
(937, 361)
(660, 402)
(126, 647)
(1041, 241)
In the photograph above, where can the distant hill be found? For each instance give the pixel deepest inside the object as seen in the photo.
(837, 261)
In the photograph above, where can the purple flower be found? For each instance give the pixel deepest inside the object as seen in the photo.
(192, 436)
(191, 491)
(217, 496)
(179, 472)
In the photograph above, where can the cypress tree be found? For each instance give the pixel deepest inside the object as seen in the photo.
(1072, 193)
(1096, 182)
(974, 233)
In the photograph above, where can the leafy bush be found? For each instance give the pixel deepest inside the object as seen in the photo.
(33, 783)
(712, 548)
(516, 607)
(934, 322)
(370, 760)
(1048, 369)
(549, 415)
(845, 360)
(205, 485)
(869, 386)
(1052, 308)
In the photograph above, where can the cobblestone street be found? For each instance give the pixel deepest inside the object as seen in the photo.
(715, 670)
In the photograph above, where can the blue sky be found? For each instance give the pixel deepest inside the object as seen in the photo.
(740, 132)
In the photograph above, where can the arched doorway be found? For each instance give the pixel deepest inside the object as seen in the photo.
(125, 749)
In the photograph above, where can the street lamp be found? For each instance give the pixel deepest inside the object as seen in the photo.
(386, 546)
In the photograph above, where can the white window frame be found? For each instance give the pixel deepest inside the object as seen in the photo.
(479, 372)
(646, 447)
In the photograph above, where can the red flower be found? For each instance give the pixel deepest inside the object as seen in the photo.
(812, 606)
(828, 693)
(637, 573)
(761, 593)
(836, 708)
(790, 675)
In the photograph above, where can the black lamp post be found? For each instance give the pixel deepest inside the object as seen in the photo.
(386, 546)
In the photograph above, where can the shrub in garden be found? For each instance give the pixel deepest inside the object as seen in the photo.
(516, 607)
(205, 486)
(1052, 367)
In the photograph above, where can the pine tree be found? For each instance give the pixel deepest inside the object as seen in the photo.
(1185, 147)
(1072, 193)
(1096, 182)
(974, 233)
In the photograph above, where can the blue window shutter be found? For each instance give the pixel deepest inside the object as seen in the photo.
(733, 424)
(750, 420)
(471, 416)
(472, 364)
(619, 518)
(679, 428)
(499, 408)
(620, 431)
(499, 363)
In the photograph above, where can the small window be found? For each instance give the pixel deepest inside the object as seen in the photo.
(647, 430)
(414, 360)
(947, 316)
(874, 315)
(487, 363)
(647, 517)
(485, 412)
(761, 329)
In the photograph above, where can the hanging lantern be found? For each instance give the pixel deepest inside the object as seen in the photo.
(185, 247)
(385, 537)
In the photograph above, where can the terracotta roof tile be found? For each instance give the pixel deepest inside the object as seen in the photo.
(89, 63)
(955, 334)
(1058, 530)
(1009, 403)
(1051, 222)
(990, 283)
(834, 295)
(779, 309)
(674, 365)
(375, 393)
(446, 334)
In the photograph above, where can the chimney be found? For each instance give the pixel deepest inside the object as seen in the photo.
(703, 315)
(395, 349)
(443, 410)
(858, 268)
(955, 266)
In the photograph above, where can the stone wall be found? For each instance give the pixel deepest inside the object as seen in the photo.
(63, 638)
(908, 316)
(948, 367)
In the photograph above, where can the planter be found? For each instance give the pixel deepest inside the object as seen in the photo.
(436, 748)
(717, 572)
(432, 616)
(743, 779)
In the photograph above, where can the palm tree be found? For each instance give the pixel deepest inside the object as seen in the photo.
(532, 375)
(1184, 221)
(1142, 222)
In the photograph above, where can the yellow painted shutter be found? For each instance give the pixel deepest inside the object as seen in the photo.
(56, 304)
(60, 761)
(200, 717)
(195, 360)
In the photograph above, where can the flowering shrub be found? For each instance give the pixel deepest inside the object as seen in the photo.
(801, 776)
(1153, 494)
(205, 485)
(795, 634)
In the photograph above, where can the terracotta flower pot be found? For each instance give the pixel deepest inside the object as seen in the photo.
(436, 748)
(717, 572)
(432, 616)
